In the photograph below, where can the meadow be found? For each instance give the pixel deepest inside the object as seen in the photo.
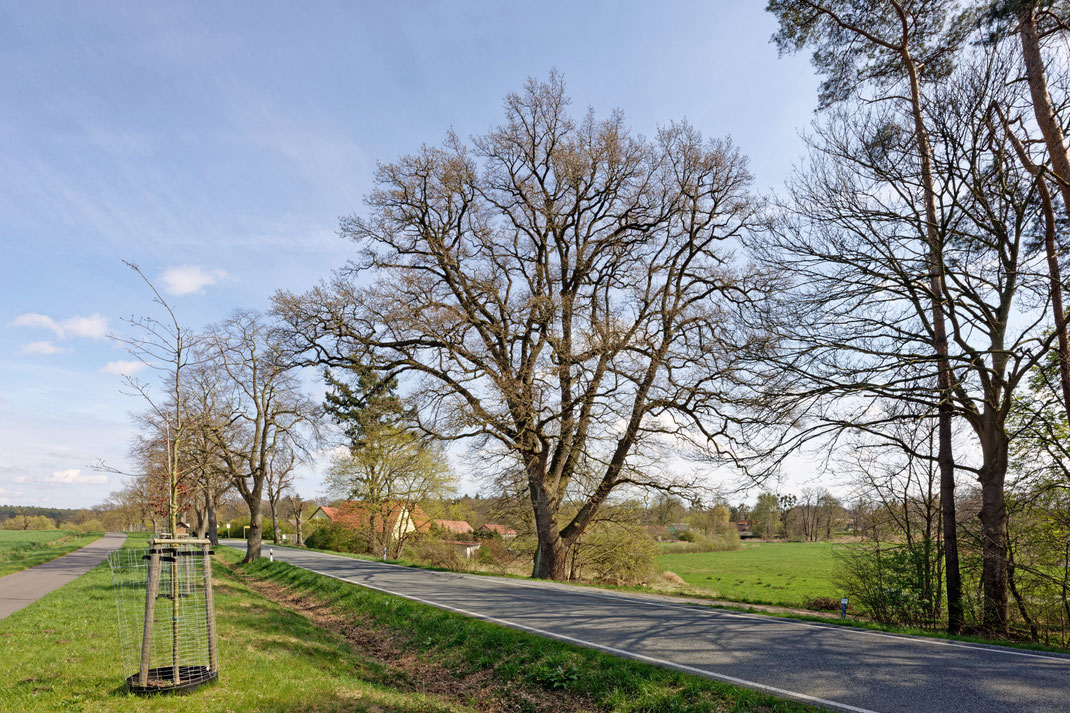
(292, 640)
(780, 573)
(20, 549)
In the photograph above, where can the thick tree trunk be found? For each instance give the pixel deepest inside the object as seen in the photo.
(551, 557)
(994, 534)
(256, 530)
(213, 523)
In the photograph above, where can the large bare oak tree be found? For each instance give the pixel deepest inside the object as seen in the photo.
(560, 287)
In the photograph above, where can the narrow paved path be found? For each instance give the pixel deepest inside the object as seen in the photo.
(22, 588)
(839, 668)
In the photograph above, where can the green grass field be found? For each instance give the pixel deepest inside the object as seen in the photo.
(61, 654)
(781, 573)
(20, 549)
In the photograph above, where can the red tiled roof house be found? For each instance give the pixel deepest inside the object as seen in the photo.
(495, 529)
(391, 516)
(456, 527)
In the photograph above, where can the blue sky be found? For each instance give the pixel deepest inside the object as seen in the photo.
(216, 144)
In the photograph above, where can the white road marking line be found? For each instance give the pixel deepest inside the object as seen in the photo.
(713, 612)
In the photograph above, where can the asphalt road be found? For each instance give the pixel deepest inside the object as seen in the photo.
(835, 667)
(22, 588)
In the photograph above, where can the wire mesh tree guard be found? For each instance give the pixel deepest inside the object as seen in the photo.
(166, 615)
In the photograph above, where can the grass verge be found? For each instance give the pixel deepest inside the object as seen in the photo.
(61, 654)
(529, 666)
(360, 652)
(19, 551)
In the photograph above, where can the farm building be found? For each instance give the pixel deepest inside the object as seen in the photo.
(393, 516)
(491, 528)
(457, 527)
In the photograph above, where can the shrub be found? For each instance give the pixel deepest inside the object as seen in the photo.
(339, 538)
(614, 552)
(93, 525)
(672, 577)
(28, 522)
(436, 554)
(824, 604)
(700, 543)
(495, 554)
(889, 582)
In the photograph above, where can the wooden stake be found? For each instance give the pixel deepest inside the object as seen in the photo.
(152, 589)
(174, 616)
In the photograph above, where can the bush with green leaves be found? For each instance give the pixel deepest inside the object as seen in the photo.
(435, 553)
(339, 538)
(892, 583)
(614, 552)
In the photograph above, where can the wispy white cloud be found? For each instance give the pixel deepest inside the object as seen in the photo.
(95, 326)
(187, 279)
(73, 476)
(123, 368)
(44, 348)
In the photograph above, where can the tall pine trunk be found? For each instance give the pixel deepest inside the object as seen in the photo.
(945, 379)
(1055, 143)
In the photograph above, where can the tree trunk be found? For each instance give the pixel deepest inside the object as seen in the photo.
(202, 520)
(994, 535)
(952, 572)
(274, 521)
(1055, 142)
(256, 530)
(551, 561)
(213, 523)
(1056, 288)
(945, 457)
(551, 557)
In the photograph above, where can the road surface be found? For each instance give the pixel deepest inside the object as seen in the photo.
(22, 588)
(838, 668)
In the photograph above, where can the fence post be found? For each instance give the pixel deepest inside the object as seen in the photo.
(152, 588)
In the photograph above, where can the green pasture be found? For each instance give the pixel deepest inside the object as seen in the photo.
(781, 573)
(20, 549)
